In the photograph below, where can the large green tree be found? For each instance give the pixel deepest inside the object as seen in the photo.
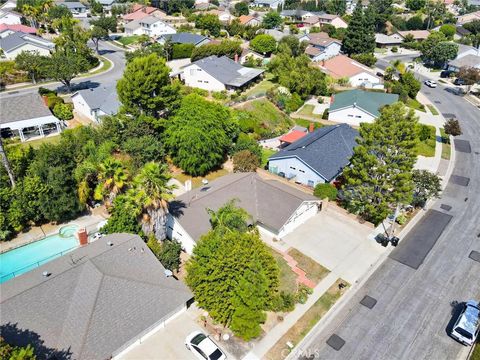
(380, 175)
(263, 43)
(272, 20)
(234, 277)
(144, 85)
(437, 50)
(360, 34)
(241, 8)
(64, 67)
(200, 134)
(31, 62)
(209, 22)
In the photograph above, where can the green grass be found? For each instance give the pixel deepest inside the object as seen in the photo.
(287, 278)
(306, 123)
(432, 109)
(197, 181)
(414, 104)
(476, 352)
(307, 110)
(427, 147)
(127, 40)
(266, 153)
(446, 147)
(314, 270)
(311, 317)
(261, 88)
(267, 119)
(38, 142)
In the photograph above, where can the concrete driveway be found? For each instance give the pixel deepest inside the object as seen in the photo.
(338, 243)
(168, 343)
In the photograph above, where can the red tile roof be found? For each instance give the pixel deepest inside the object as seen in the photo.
(342, 66)
(18, 27)
(244, 19)
(292, 136)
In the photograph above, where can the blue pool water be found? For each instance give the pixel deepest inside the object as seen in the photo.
(28, 257)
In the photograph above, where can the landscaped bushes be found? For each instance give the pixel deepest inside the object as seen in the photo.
(182, 51)
(325, 191)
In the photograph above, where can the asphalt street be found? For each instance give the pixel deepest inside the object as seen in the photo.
(111, 52)
(414, 307)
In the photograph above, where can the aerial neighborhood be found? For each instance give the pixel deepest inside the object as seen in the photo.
(239, 179)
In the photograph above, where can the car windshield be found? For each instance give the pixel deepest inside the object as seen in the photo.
(463, 332)
(217, 354)
(198, 339)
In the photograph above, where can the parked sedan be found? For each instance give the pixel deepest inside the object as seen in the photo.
(467, 326)
(431, 83)
(203, 347)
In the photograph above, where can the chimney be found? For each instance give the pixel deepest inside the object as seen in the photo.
(236, 58)
(82, 236)
(311, 127)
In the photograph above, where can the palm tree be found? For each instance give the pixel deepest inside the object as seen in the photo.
(32, 13)
(6, 163)
(152, 184)
(113, 178)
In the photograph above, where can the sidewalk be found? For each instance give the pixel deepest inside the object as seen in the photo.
(261, 348)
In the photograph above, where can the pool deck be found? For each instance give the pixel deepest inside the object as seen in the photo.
(39, 232)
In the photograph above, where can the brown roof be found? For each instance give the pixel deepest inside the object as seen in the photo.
(342, 66)
(311, 20)
(328, 16)
(244, 19)
(417, 34)
(312, 51)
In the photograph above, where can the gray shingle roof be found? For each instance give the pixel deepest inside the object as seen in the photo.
(326, 150)
(72, 4)
(227, 71)
(467, 60)
(185, 38)
(150, 20)
(369, 101)
(22, 107)
(97, 299)
(103, 97)
(269, 202)
(16, 39)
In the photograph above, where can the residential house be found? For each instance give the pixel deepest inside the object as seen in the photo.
(27, 116)
(96, 302)
(382, 40)
(107, 4)
(358, 75)
(249, 20)
(96, 102)
(249, 54)
(16, 42)
(276, 34)
(149, 25)
(356, 106)
(464, 50)
(321, 46)
(10, 17)
(317, 157)
(332, 19)
(6, 30)
(272, 4)
(418, 35)
(140, 11)
(184, 38)
(276, 208)
(465, 61)
(293, 135)
(223, 15)
(76, 8)
(468, 18)
(8, 5)
(219, 73)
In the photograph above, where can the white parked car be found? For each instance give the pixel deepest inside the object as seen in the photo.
(203, 347)
(467, 326)
(431, 83)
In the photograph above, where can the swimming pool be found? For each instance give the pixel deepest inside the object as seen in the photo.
(30, 256)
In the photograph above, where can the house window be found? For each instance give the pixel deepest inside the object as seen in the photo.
(311, 183)
(349, 115)
(291, 167)
(358, 116)
(302, 171)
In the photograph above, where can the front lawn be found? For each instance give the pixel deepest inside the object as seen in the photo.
(306, 123)
(260, 88)
(266, 153)
(127, 40)
(287, 278)
(432, 109)
(301, 328)
(446, 147)
(414, 104)
(476, 352)
(426, 147)
(314, 270)
(307, 110)
(55, 139)
(197, 181)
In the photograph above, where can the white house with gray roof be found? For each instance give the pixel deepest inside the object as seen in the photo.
(27, 116)
(276, 208)
(219, 73)
(16, 42)
(272, 4)
(151, 26)
(75, 7)
(95, 302)
(184, 38)
(96, 102)
(318, 157)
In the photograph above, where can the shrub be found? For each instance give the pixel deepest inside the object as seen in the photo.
(452, 127)
(423, 132)
(245, 161)
(293, 103)
(219, 95)
(325, 114)
(394, 49)
(325, 191)
(182, 51)
(365, 59)
(46, 92)
(302, 294)
(401, 219)
(283, 302)
(53, 100)
(167, 252)
(63, 111)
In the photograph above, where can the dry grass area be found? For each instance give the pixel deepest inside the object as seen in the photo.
(314, 270)
(197, 181)
(298, 331)
(288, 279)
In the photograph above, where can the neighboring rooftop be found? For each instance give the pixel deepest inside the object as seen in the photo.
(149, 20)
(22, 107)
(369, 101)
(326, 150)
(103, 98)
(71, 4)
(97, 299)
(185, 38)
(244, 19)
(17, 39)
(342, 66)
(18, 27)
(269, 202)
(388, 39)
(417, 34)
(227, 71)
(467, 61)
(292, 136)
